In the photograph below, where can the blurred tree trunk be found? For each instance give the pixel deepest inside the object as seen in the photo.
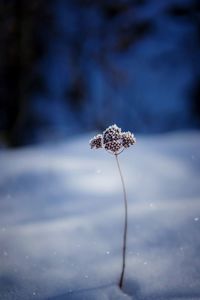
(21, 22)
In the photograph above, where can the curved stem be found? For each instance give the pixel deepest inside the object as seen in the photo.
(120, 284)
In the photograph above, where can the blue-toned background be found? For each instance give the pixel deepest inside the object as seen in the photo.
(75, 66)
(69, 69)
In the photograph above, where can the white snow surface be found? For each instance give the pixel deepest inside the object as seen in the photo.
(62, 214)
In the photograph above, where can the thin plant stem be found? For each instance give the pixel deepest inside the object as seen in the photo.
(120, 284)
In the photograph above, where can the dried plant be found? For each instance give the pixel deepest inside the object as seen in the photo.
(115, 141)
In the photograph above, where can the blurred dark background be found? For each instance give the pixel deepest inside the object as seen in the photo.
(72, 66)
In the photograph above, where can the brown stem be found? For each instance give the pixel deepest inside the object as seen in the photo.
(120, 284)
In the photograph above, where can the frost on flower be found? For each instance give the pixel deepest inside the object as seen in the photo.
(96, 142)
(112, 133)
(113, 140)
(127, 139)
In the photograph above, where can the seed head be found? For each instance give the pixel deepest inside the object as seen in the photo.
(128, 139)
(114, 146)
(96, 142)
(112, 133)
(113, 140)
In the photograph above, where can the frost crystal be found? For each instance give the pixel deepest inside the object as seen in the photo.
(128, 139)
(96, 142)
(113, 140)
(112, 133)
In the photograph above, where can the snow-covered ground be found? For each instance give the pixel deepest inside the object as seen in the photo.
(61, 221)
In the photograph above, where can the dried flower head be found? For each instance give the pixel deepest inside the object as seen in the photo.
(128, 139)
(96, 142)
(113, 140)
(112, 133)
